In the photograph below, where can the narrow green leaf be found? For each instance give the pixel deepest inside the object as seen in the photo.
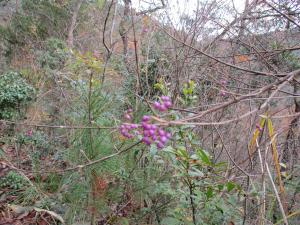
(209, 193)
(230, 186)
(204, 157)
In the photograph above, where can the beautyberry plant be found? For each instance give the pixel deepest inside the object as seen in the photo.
(151, 132)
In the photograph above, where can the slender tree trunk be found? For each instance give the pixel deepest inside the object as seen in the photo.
(123, 29)
(17, 6)
(290, 153)
(243, 21)
(70, 40)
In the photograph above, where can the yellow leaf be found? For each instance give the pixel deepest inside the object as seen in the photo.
(275, 154)
(255, 136)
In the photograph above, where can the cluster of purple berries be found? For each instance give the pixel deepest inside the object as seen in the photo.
(128, 114)
(164, 104)
(154, 134)
(151, 133)
(127, 128)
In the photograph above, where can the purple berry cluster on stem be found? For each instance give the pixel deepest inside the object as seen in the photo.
(151, 133)
(127, 129)
(164, 104)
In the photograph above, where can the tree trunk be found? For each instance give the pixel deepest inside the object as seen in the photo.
(123, 29)
(70, 40)
(292, 143)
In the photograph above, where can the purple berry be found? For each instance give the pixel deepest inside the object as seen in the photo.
(127, 116)
(153, 127)
(126, 134)
(156, 105)
(161, 132)
(151, 132)
(146, 133)
(146, 140)
(123, 131)
(133, 126)
(162, 108)
(165, 98)
(167, 104)
(168, 135)
(146, 126)
(154, 137)
(163, 139)
(146, 118)
(160, 145)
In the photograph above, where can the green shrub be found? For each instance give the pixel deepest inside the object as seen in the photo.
(13, 181)
(14, 92)
(54, 55)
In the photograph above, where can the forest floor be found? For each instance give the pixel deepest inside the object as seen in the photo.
(10, 212)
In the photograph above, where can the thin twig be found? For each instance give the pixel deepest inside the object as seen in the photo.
(277, 195)
(54, 126)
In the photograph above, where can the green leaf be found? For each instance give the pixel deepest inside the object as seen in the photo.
(220, 187)
(230, 186)
(221, 164)
(204, 157)
(170, 221)
(153, 150)
(169, 149)
(219, 209)
(195, 173)
(209, 193)
(182, 152)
